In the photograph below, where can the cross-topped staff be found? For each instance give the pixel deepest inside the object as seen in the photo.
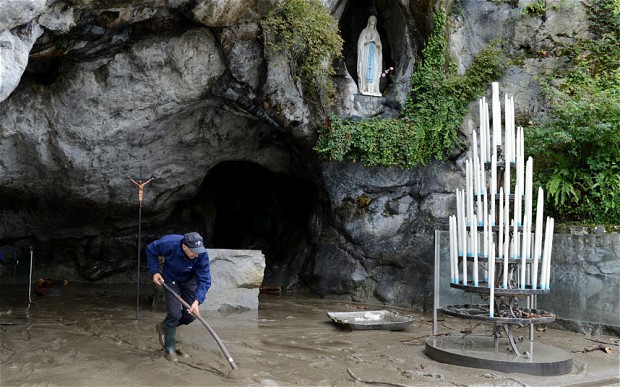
(141, 186)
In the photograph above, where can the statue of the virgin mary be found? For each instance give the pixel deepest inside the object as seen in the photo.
(369, 59)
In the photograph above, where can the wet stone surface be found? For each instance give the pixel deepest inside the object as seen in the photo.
(88, 334)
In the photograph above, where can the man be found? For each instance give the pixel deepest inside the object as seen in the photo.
(185, 270)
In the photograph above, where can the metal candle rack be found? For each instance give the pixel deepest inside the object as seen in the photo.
(498, 253)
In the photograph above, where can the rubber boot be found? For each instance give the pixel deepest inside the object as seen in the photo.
(170, 350)
(161, 336)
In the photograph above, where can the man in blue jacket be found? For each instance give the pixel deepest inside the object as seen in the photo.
(185, 270)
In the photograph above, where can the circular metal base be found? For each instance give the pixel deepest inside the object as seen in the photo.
(482, 352)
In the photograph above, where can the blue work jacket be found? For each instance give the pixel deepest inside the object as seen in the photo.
(177, 266)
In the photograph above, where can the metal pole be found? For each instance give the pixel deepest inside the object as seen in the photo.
(141, 186)
(436, 280)
(30, 279)
(219, 342)
(138, 267)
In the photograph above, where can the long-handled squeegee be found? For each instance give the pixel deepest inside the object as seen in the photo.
(204, 322)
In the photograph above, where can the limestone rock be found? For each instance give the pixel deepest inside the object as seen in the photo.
(94, 91)
(237, 276)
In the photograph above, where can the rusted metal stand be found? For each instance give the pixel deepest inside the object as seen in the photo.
(484, 351)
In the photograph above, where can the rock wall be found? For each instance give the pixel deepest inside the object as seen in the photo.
(585, 280)
(93, 92)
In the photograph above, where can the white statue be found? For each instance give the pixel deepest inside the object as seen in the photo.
(369, 59)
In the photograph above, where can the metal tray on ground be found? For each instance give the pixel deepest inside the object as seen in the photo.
(371, 319)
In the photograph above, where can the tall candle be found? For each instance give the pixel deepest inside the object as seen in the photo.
(525, 248)
(497, 114)
(486, 233)
(507, 132)
(548, 249)
(452, 248)
(493, 185)
(467, 177)
(478, 191)
(483, 134)
(490, 147)
(519, 180)
(550, 254)
(492, 282)
(517, 255)
(546, 254)
(474, 150)
(500, 239)
(485, 251)
(457, 247)
(513, 154)
(529, 171)
(458, 223)
(506, 247)
(464, 236)
(538, 236)
(475, 242)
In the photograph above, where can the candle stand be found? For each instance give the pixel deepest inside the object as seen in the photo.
(500, 251)
(497, 347)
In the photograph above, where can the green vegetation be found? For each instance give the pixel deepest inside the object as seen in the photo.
(307, 35)
(537, 8)
(577, 146)
(428, 124)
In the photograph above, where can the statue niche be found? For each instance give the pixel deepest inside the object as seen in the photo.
(369, 59)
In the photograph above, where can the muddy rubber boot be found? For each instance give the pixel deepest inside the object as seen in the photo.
(161, 336)
(170, 350)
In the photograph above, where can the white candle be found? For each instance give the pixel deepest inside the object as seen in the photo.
(458, 223)
(457, 231)
(507, 133)
(513, 154)
(478, 191)
(486, 225)
(475, 242)
(492, 282)
(466, 184)
(486, 233)
(452, 230)
(545, 259)
(483, 133)
(517, 255)
(497, 114)
(538, 236)
(547, 253)
(525, 248)
(469, 189)
(506, 246)
(464, 236)
(529, 172)
(474, 149)
(493, 185)
(488, 130)
(548, 276)
(500, 239)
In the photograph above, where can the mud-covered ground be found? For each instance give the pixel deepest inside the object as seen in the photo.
(89, 335)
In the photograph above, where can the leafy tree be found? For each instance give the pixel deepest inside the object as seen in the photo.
(577, 145)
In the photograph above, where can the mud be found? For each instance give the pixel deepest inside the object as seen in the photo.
(88, 335)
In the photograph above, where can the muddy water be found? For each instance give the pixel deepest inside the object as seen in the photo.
(89, 335)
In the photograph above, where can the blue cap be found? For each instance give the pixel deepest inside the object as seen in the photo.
(194, 242)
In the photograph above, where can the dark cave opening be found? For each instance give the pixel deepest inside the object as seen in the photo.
(243, 205)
